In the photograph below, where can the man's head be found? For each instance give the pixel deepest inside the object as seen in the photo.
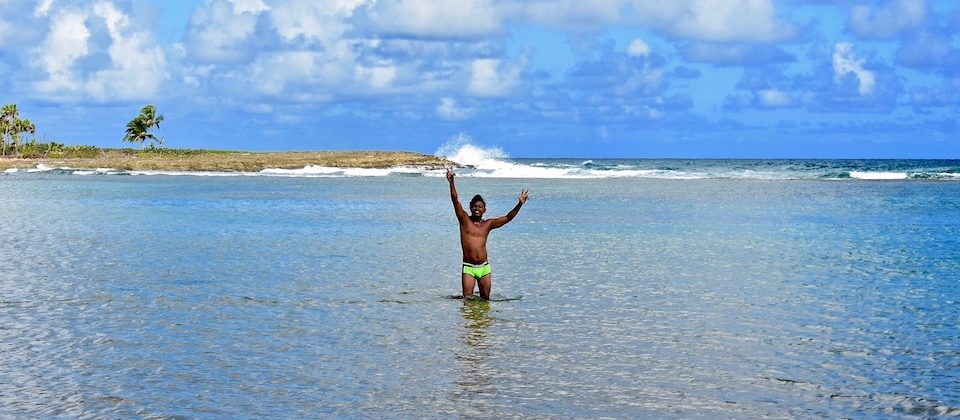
(477, 206)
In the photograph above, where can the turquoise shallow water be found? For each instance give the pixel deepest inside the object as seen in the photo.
(643, 297)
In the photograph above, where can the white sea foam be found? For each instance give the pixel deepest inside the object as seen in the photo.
(878, 176)
(97, 171)
(327, 171)
(310, 170)
(493, 162)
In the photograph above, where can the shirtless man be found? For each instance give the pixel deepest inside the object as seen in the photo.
(473, 238)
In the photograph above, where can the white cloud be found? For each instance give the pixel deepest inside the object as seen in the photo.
(490, 79)
(433, 18)
(129, 65)
(889, 19)
(703, 20)
(221, 33)
(325, 21)
(138, 62)
(450, 111)
(774, 98)
(725, 20)
(308, 51)
(43, 8)
(272, 74)
(65, 43)
(638, 48)
(845, 62)
(249, 6)
(642, 81)
(379, 77)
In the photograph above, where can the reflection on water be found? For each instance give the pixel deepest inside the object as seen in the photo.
(475, 379)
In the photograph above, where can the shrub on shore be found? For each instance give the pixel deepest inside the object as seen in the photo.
(35, 150)
(54, 150)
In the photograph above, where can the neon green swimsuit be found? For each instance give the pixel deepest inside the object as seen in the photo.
(476, 270)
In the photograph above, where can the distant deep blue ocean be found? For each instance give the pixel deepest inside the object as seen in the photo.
(650, 289)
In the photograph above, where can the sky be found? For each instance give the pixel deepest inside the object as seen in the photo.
(534, 78)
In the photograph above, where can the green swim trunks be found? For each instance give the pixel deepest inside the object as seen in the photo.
(476, 270)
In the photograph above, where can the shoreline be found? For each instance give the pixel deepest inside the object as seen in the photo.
(222, 161)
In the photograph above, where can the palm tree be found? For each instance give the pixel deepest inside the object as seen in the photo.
(8, 123)
(138, 129)
(11, 126)
(21, 126)
(8, 111)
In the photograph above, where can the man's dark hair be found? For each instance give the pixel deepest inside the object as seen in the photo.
(477, 198)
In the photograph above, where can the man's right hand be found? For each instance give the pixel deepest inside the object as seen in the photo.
(450, 174)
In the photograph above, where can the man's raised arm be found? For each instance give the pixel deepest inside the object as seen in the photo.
(457, 207)
(500, 221)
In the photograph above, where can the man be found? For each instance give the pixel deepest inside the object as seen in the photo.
(474, 231)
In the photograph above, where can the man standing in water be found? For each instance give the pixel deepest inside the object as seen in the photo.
(474, 231)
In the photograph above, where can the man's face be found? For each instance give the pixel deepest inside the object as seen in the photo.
(477, 208)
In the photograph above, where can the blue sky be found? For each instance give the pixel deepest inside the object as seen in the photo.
(536, 78)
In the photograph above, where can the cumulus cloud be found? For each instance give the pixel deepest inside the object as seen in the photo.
(64, 44)
(489, 78)
(305, 49)
(616, 74)
(325, 23)
(847, 83)
(249, 6)
(449, 110)
(888, 19)
(436, 19)
(613, 61)
(930, 50)
(723, 20)
(638, 48)
(288, 50)
(101, 53)
(774, 98)
(769, 88)
(378, 77)
(223, 32)
(21, 23)
(704, 20)
(846, 63)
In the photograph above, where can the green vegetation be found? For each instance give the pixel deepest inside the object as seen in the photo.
(138, 129)
(54, 150)
(34, 150)
(156, 158)
(12, 128)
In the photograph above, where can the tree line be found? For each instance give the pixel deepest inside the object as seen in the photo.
(13, 129)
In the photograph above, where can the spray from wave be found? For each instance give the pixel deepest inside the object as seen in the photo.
(485, 161)
(461, 149)
(493, 162)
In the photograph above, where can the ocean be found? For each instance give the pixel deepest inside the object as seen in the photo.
(650, 288)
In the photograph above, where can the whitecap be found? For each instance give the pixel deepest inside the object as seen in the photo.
(878, 176)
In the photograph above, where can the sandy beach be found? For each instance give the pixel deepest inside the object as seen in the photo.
(232, 161)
